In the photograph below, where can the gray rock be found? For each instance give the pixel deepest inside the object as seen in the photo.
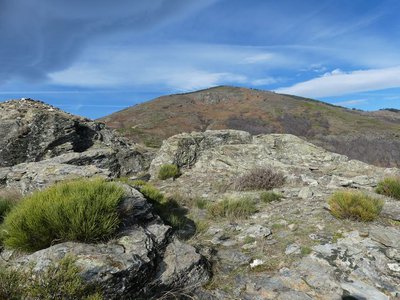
(360, 290)
(185, 149)
(387, 236)
(32, 131)
(292, 249)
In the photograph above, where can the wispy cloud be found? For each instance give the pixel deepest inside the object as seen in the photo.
(350, 102)
(338, 83)
(180, 67)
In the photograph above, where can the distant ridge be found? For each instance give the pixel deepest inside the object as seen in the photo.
(372, 137)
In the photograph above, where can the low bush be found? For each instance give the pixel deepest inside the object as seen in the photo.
(232, 208)
(269, 196)
(355, 205)
(81, 210)
(260, 179)
(58, 281)
(168, 171)
(389, 187)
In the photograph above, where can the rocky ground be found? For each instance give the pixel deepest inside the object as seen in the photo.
(294, 248)
(288, 249)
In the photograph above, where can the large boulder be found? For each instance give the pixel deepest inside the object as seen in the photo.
(143, 261)
(32, 131)
(185, 149)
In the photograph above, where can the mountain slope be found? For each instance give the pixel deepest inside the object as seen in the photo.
(372, 137)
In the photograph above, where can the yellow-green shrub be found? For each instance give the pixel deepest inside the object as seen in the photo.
(232, 208)
(168, 171)
(82, 210)
(389, 187)
(355, 205)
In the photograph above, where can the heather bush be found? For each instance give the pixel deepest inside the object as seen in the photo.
(355, 205)
(262, 178)
(81, 210)
(168, 171)
(389, 187)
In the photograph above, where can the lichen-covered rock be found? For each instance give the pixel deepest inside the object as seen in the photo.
(32, 131)
(185, 149)
(141, 262)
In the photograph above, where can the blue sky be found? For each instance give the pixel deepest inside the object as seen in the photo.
(94, 57)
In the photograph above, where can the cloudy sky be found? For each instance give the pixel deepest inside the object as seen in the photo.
(94, 57)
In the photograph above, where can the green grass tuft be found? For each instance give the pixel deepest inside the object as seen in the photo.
(168, 171)
(269, 196)
(58, 281)
(355, 205)
(81, 210)
(167, 208)
(389, 187)
(232, 208)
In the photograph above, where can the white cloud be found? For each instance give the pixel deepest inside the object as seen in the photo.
(259, 58)
(179, 67)
(350, 102)
(264, 81)
(339, 83)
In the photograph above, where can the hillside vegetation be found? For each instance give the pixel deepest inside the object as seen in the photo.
(372, 137)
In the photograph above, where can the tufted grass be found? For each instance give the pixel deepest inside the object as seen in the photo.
(261, 178)
(81, 210)
(389, 187)
(269, 196)
(168, 171)
(355, 205)
(232, 208)
(8, 199)
(58, 281)
(167, 208)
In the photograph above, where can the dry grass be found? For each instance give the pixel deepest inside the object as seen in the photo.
(355, 205)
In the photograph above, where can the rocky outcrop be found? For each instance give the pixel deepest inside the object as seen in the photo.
(293, 248)
(141, 262)
(185, 149)
(308, 168)
(31, 131)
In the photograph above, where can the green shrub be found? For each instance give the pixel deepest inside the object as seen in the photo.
(232, 208)
(389, 187)
(5, 207)
(269, 196)
(355, 205)
(201, 203)
(260, 179)
(8, 199)
(168, 171)
(81, 210)
(58, 281)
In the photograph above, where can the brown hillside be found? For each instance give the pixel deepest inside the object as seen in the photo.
(372, 137)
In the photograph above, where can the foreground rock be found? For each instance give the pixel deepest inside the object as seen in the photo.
(32, 131)
(293, 248)
(143, 261)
